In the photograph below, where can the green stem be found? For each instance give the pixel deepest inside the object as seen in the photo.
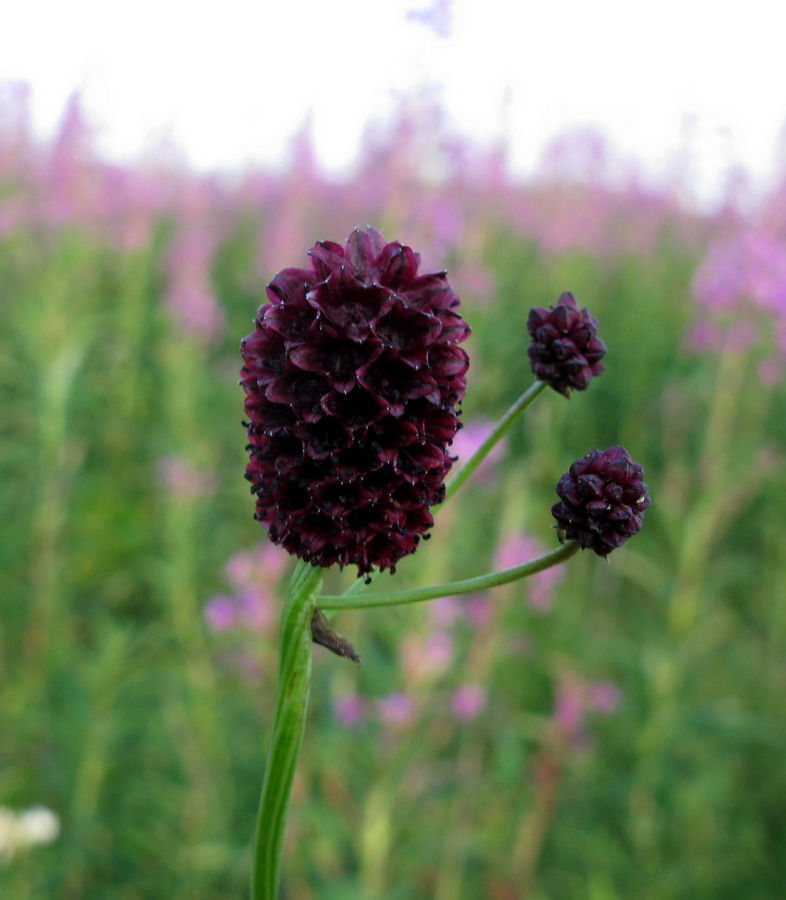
(500, 430)
(469, 585)
(294, 678)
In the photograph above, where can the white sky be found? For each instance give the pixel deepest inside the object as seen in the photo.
(230, 81)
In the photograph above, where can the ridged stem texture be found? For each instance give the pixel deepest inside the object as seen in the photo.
(294, 679)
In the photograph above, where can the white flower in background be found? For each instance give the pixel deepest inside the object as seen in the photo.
(28, 828)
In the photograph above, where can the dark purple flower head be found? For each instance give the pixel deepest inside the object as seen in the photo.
(352, 378)
(602, 500)
(564, 351)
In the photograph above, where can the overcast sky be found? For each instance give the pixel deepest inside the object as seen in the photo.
(230, 81)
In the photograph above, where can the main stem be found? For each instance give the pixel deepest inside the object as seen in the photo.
(294, 679)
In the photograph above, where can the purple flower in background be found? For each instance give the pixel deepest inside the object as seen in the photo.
(396, 709)
(750, 266)
(256, 607)
(704, 335)
(17, 155)
(477, 609)
(444, 611)
(185, 480)
(468, 702)
(574, 700)
(68, 195)
(569, 708)
(253, 576)
(264, 564)
(519, 548)
(604, 697)
(350, 710)
(352, 378)
(190, 294)
(469, 439)
(746, 269)
(221, 613)
(426, 657)
(438, 16)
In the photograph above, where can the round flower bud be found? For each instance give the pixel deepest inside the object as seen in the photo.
(602, 500)
(352, 378)
(564, 351)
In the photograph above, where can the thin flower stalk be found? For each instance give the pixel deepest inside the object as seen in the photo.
(498, 432)
(467, 586)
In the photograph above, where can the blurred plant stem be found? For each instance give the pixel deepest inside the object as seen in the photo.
(548, 767)
(59, 454)
(195, 718)
(294, 679)
(105, 678)
(129, 373)
(719, 488)
(60, 457)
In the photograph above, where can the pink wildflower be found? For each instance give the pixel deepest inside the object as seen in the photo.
(350, 710)
(184, 479)
(427, 657)
(520, 548)
(604, 697)
(469, 439)
(221, 613)
(468, 702)
(397, 708)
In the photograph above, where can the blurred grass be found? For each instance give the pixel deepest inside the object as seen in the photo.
(145, 730)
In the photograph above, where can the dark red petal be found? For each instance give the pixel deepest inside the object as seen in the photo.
(363, 247)
(396, 265)
(290, 284)
(326, 257)
(402, 328)
(447, 361)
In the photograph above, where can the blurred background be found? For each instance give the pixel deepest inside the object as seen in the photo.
(602, 731)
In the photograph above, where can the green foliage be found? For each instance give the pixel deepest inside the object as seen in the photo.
(146, 731)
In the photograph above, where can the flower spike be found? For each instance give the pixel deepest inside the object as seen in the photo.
(353, 376)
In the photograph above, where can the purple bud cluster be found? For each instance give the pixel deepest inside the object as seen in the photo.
(565, 351)
(602, 500)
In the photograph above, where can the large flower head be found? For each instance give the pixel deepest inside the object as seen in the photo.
(352, 378)
(602, 500)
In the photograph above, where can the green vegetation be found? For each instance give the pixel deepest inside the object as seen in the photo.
(625, 742)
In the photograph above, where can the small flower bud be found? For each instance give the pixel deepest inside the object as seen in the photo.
(602, 500)
(564, 351)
